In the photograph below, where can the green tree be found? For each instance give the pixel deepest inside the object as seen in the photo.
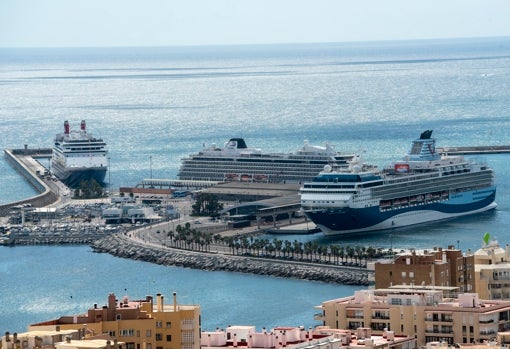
(89, 190)
(206, 204)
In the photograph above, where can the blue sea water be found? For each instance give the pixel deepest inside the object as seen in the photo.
(154, 106)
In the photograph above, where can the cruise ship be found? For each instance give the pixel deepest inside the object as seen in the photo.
(424, 187)
(78, 156)
(235, 161)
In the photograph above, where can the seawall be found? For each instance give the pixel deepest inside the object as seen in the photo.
(122, 246)
(46, 196)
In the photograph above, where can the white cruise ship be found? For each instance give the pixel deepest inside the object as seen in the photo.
(236, 162)
(78, 156)
(423, 187)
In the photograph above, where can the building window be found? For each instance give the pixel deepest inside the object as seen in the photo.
(411, 274)
(159, 337)
(130, 345)
(111, 333)
(404, 274)
(159, 324)
(148, 333)
(118, 316)
(168, 337)
(168, 325)
(127, 333)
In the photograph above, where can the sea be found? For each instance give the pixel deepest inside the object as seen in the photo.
(156, 105)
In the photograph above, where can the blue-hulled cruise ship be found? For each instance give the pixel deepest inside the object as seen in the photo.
(78, 156)
(425, 186)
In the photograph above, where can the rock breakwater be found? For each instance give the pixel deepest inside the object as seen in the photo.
(122, 246)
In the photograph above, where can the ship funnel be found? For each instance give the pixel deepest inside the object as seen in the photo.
(83, 125)
(66, 127)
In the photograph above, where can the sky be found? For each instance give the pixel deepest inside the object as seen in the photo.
(85, 23)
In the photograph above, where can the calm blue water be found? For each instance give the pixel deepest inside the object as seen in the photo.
(164, 103)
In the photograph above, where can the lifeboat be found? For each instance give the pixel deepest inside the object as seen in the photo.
(245, 178)
(231, 177)
(260, 178)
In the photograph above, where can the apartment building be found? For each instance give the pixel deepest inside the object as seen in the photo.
(38, 339)
(140, 324)
(486, 271)
(423, 312)
(289, 337)
(428, 267)
(492, 271)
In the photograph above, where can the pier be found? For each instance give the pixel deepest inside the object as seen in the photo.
(24, 161)
(488, 149)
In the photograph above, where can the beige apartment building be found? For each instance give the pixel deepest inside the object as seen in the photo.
(492, 272)
(486, 272)
(139, 324)
(437, 267)
(424, 312)
(38, 339)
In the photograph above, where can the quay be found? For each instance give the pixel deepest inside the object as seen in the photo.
(24, 161)
(489, 149)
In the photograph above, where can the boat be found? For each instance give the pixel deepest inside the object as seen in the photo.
(78, 156)
(235, 161)
(425, 186)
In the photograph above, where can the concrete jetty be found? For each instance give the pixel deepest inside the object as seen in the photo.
(24, 162)
(489, 149)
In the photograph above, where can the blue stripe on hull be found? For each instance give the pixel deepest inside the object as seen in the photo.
(349, 220)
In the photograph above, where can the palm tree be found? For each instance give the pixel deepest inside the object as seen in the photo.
(287, 248)
(341, 253)
(335, 252)
(350, 252)
(278, 246)
(298, 248)
(171, 237)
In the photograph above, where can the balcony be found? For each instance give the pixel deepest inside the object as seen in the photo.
(443, 331)
(319, 317)
(380, 317)
(439, 319)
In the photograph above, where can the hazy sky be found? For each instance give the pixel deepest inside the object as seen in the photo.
(51, 23)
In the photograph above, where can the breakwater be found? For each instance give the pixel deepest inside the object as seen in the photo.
(123, 246)
(45, 197)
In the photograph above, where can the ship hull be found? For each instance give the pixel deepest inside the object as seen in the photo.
(347, 220)
(72, 177)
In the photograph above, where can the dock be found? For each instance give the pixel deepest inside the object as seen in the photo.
(24, 161)
(487, 149)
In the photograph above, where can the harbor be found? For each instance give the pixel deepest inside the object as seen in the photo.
(158, 111)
